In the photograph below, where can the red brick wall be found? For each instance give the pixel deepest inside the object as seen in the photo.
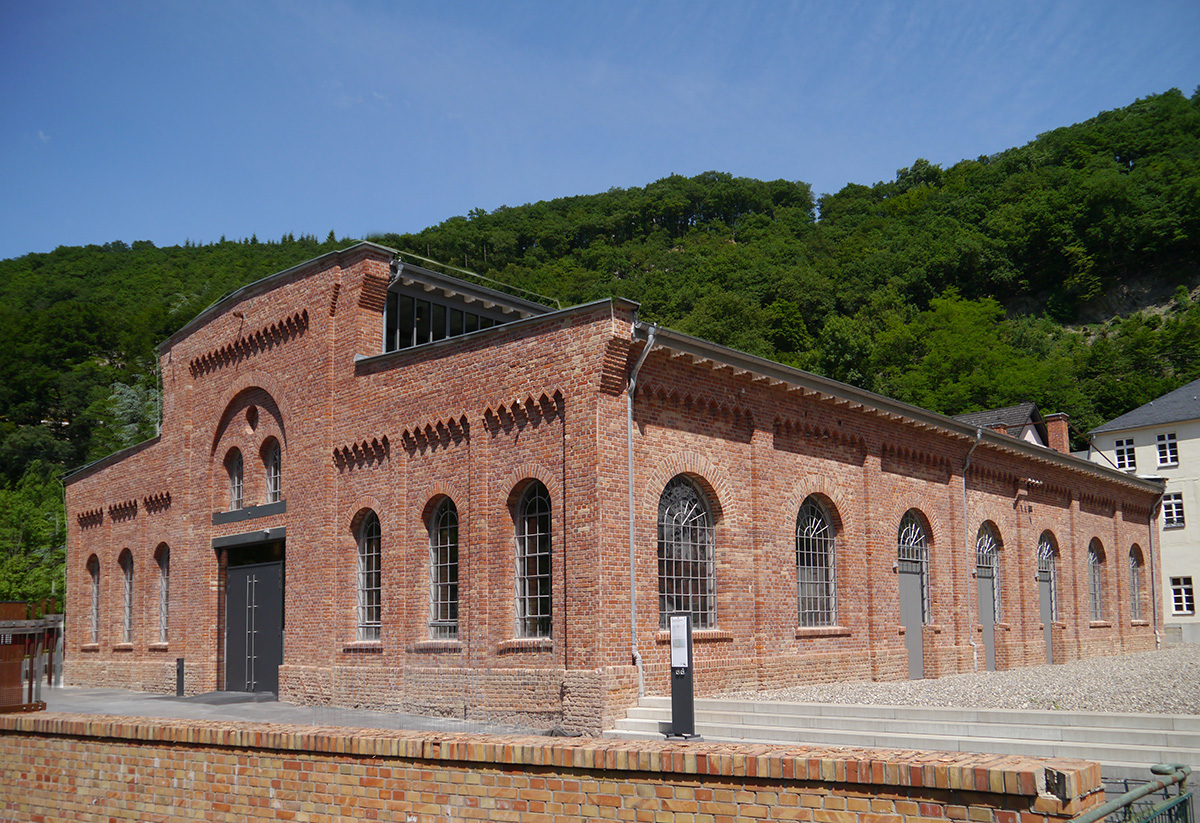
(71, 767)
(475, 419)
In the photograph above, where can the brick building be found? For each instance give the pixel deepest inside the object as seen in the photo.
(377, 485)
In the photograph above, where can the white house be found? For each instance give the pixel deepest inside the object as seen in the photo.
(1162, 439)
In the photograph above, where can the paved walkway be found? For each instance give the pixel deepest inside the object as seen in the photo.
(256, 708)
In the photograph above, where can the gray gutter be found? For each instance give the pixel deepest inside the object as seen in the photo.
(109, 459)
(665, 338)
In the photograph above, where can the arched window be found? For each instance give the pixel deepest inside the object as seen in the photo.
(443, 572)
(987, 562)
(233, 465)
(1047, 559)
(686, 555)
(912, 553)
(274, 466)
(370, 584)
(533, 559)
(126, 561)
(93, 568)
(163, 558)
(1096, 578)
(534, 580)
(1135, 582)
(816, 567)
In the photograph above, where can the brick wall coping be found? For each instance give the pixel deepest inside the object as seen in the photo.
(1076, 782)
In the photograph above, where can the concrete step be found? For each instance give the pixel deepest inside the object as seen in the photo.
(1125, 744)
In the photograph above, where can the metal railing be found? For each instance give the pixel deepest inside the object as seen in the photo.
(1151, 802)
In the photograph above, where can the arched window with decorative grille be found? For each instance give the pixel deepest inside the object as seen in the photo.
(1135, 582)
(93, 568)
(1096, 578)
(816, 566)
(234, 467)
(534, 578)
(126, 562)
(370, 580)
(686, 555)
(912, 554)
(274, 468)
(987, 563)
(1047, 560)
(443, 572)
(163, 558)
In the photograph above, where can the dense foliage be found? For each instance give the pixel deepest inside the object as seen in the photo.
(1059, 272)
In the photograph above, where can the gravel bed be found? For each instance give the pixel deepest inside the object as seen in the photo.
(1166, 681)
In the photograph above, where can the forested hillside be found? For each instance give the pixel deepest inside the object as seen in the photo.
(1061, 272)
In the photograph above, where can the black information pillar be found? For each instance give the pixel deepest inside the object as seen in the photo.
(683, 705)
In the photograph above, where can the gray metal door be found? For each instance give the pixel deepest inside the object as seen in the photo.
(912, 617)
(253, 627)
(987, 613)
(1046, 610)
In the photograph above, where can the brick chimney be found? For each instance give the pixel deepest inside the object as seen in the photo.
(999, 428)
(1059, 432)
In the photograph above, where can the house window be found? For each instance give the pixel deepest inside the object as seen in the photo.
(1168, 450)
(1173, 511)
(912, 552)
(443, 572)
(987, 563)
(816, 568)
(370, 584)
(1096, 579)
(1047, 560)
(1126, 457)
(126, 562)
(164, 589)
(686, 563)
(533, 563)
(93, 567)
(274, 473)
(1135, 583)
(1183, 598)
(409, 322)
(233, 464)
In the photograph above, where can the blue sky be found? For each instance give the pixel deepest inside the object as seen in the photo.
(171, 121)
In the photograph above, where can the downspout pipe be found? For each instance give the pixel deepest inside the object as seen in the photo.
(630, 391)
(1156, 587)
(967, 543)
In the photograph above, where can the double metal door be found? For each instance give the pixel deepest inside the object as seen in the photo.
(254, 627)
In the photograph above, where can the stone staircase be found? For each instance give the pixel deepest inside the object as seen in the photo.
(1126, 745)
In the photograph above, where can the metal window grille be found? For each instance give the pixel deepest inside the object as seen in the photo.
(443, 572)
(533, 563)
(127, 599)
(164, 586)
(94, 574)
(1135, 585)
(686, 556)
(370, 588)
(1173, 510)
(816, 567)
(275, 474)
(1183, 598)
(987, 563)
(1126, 456)
(1096, 581)
(235, 480)
(1168, 450)
(1047, 559)
(913, 556)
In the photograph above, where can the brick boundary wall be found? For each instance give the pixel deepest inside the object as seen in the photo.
(62, 767)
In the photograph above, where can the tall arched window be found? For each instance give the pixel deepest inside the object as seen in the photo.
(233, 465)
(1047, 559)
(1096, 578)
(370, 583)
(1135, 582)
(93, 568)
(126, 561)
(686, 555)
(912, 554)
(443, 572)
(163, 558)
(816, 567)
(534, 580)
(274, 466)
(987, 562)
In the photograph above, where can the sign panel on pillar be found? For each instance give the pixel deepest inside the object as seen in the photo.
(683, 707)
